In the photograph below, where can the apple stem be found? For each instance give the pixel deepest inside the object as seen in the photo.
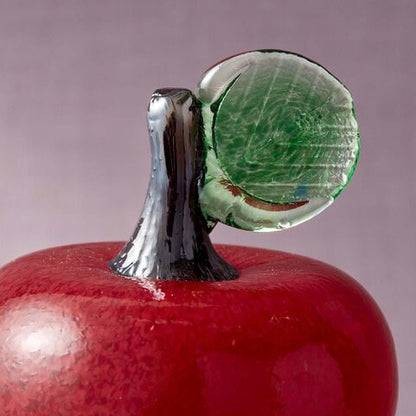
(171, 241)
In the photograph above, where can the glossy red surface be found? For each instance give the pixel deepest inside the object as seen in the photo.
(290, 337)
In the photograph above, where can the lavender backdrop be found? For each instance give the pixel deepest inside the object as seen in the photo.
(75, 77)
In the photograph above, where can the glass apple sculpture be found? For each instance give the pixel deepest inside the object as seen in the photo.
(168, 324)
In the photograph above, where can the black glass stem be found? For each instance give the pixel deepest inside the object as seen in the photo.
(171, 241)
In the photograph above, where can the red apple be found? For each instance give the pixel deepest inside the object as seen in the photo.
(168, 326)
(290, 336)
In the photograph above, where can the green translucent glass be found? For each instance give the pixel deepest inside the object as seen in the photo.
(281, 139)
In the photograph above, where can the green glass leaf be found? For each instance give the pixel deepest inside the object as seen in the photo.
(281, 140)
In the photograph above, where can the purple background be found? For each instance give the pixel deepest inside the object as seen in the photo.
(75, 79)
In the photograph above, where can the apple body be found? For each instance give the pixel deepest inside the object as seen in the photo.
(291, 336)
